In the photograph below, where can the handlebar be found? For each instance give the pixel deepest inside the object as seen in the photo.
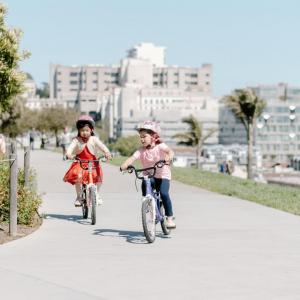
(87, 161)
(131, 169)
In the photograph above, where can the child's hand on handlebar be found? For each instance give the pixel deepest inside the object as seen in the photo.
(108, 155)
(168, 160)
(123, 167)
(71, 157)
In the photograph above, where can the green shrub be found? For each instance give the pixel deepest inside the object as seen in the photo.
(126, 146)
(28, 199)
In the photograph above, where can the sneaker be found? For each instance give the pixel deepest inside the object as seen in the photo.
(78, 202)
(170, 223)
(99, 200)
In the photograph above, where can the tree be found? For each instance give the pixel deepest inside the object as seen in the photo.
(12, 120)
(11, 78)
(44, 91)
(194, 137)
(56, 119)
(247, 107)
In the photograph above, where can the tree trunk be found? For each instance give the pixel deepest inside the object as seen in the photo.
(250, 150)
(198, 153)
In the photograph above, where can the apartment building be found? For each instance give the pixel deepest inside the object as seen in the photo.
(277, 130)
(141, 86)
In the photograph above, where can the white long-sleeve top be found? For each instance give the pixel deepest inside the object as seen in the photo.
(77, 145)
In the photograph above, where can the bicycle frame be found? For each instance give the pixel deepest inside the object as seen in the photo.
(89, 168)
(154, 194)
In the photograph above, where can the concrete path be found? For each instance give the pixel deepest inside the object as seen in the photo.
(223, 248)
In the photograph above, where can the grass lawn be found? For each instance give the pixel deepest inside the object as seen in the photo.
(276, 196)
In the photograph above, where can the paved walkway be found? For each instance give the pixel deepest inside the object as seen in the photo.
(224, 248)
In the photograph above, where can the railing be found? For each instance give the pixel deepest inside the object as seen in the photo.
(13, 182)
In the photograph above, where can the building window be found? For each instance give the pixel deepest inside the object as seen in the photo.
(73, 74)
(73, 82)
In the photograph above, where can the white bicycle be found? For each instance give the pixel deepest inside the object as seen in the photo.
(152, 206)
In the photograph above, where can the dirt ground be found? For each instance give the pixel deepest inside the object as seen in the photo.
(21, 231)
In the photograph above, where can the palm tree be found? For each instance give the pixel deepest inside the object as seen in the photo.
(247, 107)
(194, 136)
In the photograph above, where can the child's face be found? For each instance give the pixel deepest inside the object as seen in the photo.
(145, 138)
(85, 132)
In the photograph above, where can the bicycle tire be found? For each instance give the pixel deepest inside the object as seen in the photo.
(148, 219)
(164, 227)
(93, 202)
(85, 208)
(85, 211)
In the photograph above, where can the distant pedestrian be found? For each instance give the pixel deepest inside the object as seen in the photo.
(43, 140)
(65, 141)
(229, 167)
(31, 139)
(2, 144)
(223, 167)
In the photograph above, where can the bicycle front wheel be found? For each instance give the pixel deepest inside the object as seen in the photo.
(85, 208)
(148, 219)
(93, 203)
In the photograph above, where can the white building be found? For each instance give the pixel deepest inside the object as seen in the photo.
(142, 86)
(277, 130)
(149, 52)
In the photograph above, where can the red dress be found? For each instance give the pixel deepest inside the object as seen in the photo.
(77, 175)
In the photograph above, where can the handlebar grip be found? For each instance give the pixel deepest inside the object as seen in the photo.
(130, 169)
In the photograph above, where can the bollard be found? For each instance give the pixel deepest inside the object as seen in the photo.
(13, 210)
(26, 166)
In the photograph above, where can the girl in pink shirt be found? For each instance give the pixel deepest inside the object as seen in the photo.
(152, 151)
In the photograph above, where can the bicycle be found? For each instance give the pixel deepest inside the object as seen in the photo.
(152, 206)
(89, 190)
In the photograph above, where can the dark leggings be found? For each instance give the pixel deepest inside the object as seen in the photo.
(162, 186)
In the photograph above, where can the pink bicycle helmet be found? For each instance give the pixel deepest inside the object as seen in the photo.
(153, 128)
(149, 126)
(85, 120)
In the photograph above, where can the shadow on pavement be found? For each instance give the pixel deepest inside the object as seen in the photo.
(73, 218)
(134, 237)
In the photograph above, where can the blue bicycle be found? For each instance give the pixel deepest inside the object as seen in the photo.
(152, 206)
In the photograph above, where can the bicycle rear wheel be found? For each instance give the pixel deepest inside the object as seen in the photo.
(164, 228)
(148, 219)
(93, 203)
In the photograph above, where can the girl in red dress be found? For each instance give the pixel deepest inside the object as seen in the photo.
(84, 147)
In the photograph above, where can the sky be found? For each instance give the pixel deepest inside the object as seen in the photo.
(247, 42)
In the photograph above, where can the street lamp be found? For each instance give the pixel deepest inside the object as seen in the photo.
(292, 118)
(292, 109)
(266, 117)
(292, 135)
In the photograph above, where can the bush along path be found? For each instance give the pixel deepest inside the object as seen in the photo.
(28, 200)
